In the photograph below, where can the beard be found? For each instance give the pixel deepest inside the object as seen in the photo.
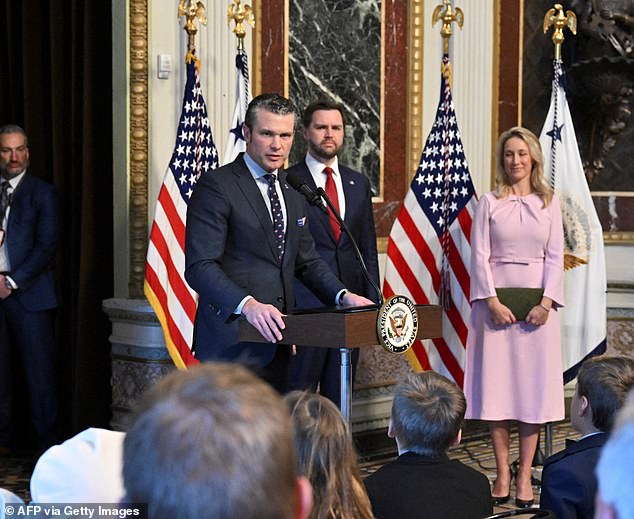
(5, 173)
(318, 151)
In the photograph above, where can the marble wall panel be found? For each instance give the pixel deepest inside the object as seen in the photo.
(335, 52)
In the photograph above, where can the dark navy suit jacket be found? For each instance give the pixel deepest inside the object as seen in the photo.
(230, 252)
(414, 486)
(32, 232)
(340, 255)
(568, 481)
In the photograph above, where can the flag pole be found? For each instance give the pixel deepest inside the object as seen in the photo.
(240, 14)
(448, 15)
(555, 17)
(191, 11)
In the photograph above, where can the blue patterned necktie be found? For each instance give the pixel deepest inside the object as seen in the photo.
(4, 201)
(278, 217)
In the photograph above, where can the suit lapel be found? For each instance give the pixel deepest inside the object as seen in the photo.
(248, 185)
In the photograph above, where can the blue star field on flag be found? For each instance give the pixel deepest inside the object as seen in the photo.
(442, 183)
(195, 152)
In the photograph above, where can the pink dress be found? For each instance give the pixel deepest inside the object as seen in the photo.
(514, 371)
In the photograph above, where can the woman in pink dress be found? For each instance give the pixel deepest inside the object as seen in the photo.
(513, 368)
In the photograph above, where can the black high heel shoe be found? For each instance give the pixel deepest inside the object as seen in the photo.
(524, 503)
(497, 501)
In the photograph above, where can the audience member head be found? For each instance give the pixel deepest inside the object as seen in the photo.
(538, 184)
(427, 414)
(269, 126)
(327, 457)
(602, 386)
(84, 469)
(213, 441)
(14, 151)
(614, 470)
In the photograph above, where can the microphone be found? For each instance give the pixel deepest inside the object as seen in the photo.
(299, 184)
(357, 252)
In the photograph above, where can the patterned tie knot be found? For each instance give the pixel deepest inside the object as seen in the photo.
(270, 178)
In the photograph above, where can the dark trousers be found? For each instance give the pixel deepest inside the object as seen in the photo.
(315, 369)
(277, 372)
(30, 336)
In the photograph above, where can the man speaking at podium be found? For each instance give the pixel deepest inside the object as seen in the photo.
(247, 238)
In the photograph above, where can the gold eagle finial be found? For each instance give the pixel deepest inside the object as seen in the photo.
(448, 15)
(192, 11)
(555, 17)
(241, 14)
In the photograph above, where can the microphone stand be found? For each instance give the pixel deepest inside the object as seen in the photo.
(345, 369)
(342, 225)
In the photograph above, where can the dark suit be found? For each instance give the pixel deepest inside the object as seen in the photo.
(415, 487)
(313, 366)
(568, 481)
(26, 316)
(230, 253)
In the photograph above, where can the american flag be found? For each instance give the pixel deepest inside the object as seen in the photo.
(165, 287)
(429, 250)
(236, 142)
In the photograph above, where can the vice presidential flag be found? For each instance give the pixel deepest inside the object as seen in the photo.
(583, 319)
(165, 287)
(236, 142)
(429, 248)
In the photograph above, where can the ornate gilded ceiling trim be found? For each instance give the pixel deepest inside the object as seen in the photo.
(138, 142)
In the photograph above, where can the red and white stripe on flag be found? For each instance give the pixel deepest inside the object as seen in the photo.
(440, 203)
(173, 301)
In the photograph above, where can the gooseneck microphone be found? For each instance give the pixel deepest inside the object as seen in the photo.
(379, 301)
(317, 198)
(299, 184)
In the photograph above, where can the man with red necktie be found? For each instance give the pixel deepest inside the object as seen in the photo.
(323, 125)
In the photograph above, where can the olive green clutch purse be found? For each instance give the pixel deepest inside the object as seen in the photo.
(520, 300)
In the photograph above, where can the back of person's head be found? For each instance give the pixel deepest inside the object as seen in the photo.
(327, 457)
(84, 469)
(213, 441)
(427, 413)
(614, 470)
(605, 381)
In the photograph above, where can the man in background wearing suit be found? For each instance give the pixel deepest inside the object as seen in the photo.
(427, 414)
(247, 238)
(569, 484)
(29, 220)
(323, 125)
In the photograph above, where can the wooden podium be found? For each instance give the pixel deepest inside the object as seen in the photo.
(344, 328)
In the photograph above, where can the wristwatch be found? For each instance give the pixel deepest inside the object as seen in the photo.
(340, 300)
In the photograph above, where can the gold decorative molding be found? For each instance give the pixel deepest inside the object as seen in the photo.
(416, 20)
(256, 61)
(138, 142)
(618, 238)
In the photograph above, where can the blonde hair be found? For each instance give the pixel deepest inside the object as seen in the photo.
(538, 183)
(327, 457)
